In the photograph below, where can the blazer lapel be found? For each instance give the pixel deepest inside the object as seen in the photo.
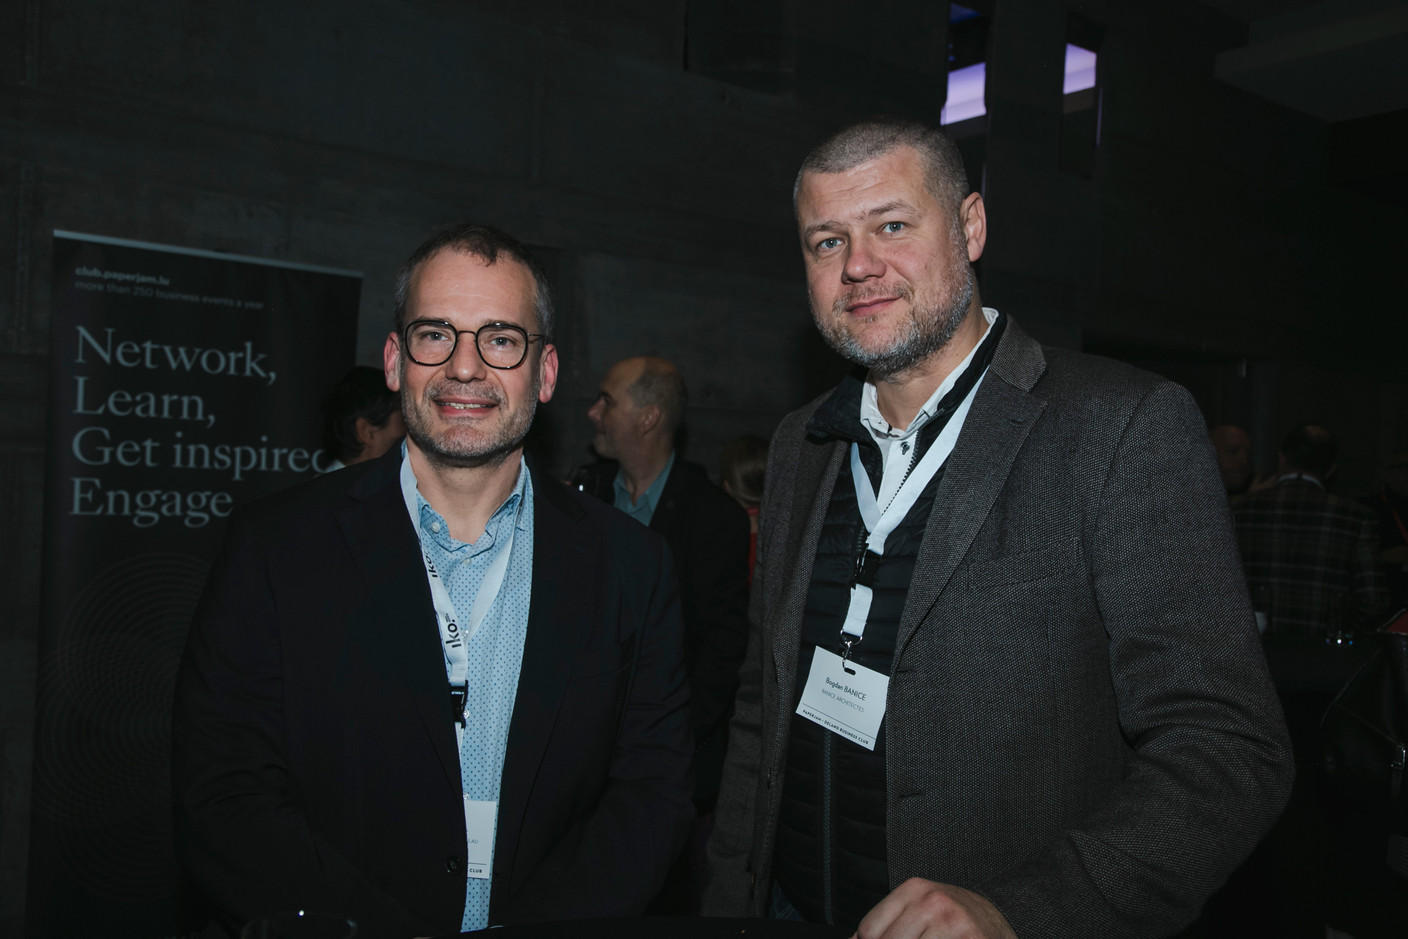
(1002, 416)
(667, 511)
(400, 632)
(565, 568)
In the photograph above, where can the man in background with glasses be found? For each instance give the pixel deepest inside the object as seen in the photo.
(438, 691)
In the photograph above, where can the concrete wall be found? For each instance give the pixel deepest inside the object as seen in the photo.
(648, 147)
(1238, 247)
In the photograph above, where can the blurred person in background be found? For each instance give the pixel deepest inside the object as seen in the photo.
(1390, 507)
(743, 465)
(1233, 446)
(638, 415)
(1311, 557)
(361, 418)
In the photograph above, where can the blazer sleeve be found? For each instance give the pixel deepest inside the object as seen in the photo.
(1211, 768)
(241, 833)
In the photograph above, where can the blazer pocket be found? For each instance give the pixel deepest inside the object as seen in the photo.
(1025, 567)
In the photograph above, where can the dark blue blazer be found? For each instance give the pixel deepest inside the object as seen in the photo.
(315, 763)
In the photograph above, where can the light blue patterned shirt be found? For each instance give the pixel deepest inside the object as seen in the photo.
(495, 651)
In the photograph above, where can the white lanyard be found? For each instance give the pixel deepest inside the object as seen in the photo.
(453, 639)
(879, 523)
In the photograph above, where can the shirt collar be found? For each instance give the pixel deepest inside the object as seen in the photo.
(433, 524)
(651, 498)
(1300, 478)
(881, 430)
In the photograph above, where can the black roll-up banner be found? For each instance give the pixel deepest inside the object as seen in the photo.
(183, 383)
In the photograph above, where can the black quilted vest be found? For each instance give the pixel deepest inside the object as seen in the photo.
(831, 858)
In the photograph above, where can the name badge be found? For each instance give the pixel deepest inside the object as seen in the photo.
(480, 820)
(845, 698)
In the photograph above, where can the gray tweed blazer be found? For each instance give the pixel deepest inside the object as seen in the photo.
(1080, 723)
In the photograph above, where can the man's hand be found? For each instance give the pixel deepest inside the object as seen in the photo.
(921, 908)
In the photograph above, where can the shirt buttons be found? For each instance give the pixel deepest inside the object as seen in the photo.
(435, 527)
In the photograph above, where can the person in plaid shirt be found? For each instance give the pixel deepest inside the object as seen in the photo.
(1311, 558)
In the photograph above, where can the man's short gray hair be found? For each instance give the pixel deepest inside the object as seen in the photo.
(486, 243)
(662, 385)
(944, 175)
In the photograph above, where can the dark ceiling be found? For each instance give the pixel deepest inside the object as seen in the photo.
(1337, 60)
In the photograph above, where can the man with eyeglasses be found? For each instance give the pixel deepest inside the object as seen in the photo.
(438, 691)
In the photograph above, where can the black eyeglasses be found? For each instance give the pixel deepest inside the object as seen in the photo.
(500, 345)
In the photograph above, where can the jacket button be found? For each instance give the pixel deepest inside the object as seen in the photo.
(452, 864)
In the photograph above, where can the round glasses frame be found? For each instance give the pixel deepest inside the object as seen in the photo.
(490, 330)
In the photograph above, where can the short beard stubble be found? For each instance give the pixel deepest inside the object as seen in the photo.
(490, 452)
(928, 329)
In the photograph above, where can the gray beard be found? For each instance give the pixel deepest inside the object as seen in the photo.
(493, 455)
(924, 334)
(450, 459)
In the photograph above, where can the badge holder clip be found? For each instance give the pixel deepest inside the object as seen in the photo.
(457, 696)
